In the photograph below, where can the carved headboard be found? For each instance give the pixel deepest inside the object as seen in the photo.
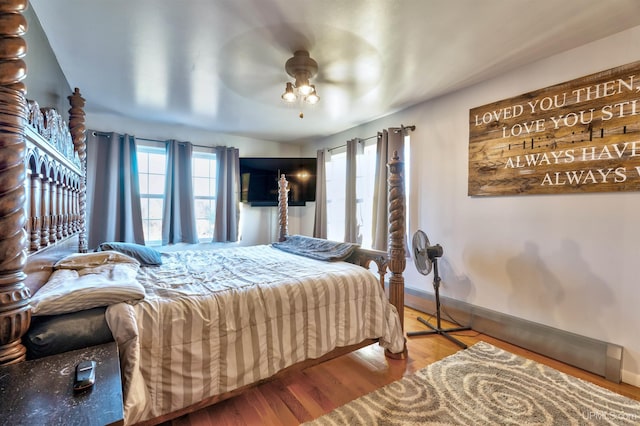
(54, 176)
(55, 187)
(42, 185)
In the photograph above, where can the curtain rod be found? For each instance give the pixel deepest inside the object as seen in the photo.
(343, 145)
(95, 132)
(192, 144)
(405, 128)
(398, 130)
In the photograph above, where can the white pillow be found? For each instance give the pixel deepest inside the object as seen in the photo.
(85, 260)
(70, 290)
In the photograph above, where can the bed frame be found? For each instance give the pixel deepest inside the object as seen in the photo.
(43, 198)
(394, 259)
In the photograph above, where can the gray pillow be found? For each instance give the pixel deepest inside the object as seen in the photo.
(145, 255)
(50, 335)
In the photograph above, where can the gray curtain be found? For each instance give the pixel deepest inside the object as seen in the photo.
(320, 219)
(179, 218)
(396, 142)
(227, 196)
(380, 224)
(389, 141)
(352, 224)
(113, 189)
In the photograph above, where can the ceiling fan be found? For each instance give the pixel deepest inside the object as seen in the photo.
(425, 257)
(258, 64)
(302, 67)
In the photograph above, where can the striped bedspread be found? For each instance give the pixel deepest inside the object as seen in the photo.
(213, 321)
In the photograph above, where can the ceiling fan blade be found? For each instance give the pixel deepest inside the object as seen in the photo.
(255, 60)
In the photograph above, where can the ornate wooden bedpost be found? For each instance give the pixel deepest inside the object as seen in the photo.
(15, 313)
(397, 255)
(283, 208)
(78, 135)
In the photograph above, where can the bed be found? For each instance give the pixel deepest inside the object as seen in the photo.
(182, 346)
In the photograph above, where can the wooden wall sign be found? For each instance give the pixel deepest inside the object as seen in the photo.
(579, 136)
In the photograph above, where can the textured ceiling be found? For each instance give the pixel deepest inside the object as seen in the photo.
(219, 65)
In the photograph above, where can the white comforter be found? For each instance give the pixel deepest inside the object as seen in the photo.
(213, 321)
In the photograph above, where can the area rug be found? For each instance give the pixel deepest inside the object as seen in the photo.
(485, 385)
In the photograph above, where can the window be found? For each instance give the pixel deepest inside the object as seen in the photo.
(407, 186)
(365, 175)
(336, 169)
(204, 192)
(336, 175)
(152, 164)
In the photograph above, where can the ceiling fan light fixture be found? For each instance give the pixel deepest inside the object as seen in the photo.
(303, 86)
(313, 97)
(289, 95)
(302, 68)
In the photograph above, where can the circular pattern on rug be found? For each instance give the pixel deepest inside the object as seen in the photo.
(485, 385)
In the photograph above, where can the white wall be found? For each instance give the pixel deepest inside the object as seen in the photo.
(567, 261)
(260, 224)
(46, 84)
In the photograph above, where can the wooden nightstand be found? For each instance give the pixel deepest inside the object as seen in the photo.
(41, 391)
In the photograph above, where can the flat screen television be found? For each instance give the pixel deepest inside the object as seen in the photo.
(259, 180)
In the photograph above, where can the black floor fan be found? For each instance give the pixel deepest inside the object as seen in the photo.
(425, 257)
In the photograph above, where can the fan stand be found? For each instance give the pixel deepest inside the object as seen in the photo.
(438, 329)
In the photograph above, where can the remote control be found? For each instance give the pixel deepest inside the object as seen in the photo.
(85, 376)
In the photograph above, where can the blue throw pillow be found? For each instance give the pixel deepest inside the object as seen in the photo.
(143, 254)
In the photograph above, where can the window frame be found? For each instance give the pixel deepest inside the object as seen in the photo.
(157, 149)
(337, 197)
(209, 155)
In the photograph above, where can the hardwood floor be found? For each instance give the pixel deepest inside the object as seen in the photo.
(308, 394)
